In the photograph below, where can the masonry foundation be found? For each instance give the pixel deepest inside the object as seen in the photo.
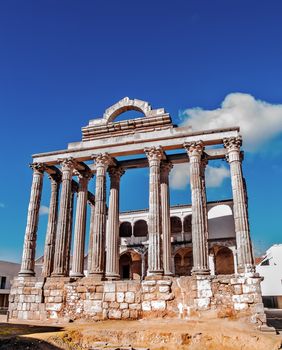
(67, 299)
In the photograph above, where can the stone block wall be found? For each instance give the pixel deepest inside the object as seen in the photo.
(65, 299)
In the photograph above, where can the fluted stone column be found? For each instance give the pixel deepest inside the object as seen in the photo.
(27, 265)
(199, 239)
(204, 163)
(80, 225)
(99, 227)
(91, 235)
(154, 155)
(112, 251)
(165, 215)
(61, 249)
(48, 260)
(74, 190)
(243, 240)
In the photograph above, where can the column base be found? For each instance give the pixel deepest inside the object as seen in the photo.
(98, 276)
(76, 274)
(26, 273)
(168, 273)
(197, 272)
(248, 268)
(154, 275)
(112, 277)
(58, 275)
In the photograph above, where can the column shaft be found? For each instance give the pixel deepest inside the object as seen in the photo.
(69, 233)
(91, 236)
(240, 210)
(154, 155)
(48, 260)
(199, 239)
(112, 251)
(80, 226)
(27, 265)
(63, 227)
(165, 215)
(99, 227)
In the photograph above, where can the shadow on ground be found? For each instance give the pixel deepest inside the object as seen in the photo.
(15, 343)
(274, 318)
(10, 337)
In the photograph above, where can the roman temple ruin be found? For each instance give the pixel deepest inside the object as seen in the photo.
(161, 262)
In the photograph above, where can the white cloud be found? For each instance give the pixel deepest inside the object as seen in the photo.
(2, 205)
(43, 210)
(179, 176)
(259, 121)
(216, 175)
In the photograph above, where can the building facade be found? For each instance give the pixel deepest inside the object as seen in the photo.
(166, 264)
(270, 268)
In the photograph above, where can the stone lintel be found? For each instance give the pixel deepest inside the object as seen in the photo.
(134, 144)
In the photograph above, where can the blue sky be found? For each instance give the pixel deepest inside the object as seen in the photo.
(64, 62)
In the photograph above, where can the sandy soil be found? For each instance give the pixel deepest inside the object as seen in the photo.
(213, 334)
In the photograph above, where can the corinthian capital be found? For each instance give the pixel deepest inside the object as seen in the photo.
(67, 164)
(166, 167)
(103, 160)
(38, 167)
(154, 153)
(233, 143)
(83, 174)
(194, 149)
(115, 172)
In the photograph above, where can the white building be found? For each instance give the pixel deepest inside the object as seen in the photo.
(271, 269)
(8, 270)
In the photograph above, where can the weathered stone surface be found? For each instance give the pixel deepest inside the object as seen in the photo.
(110, 297)
(158, 305)
(129, 297)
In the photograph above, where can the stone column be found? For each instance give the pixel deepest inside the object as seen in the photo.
(112, 251)
(165, 214)
(99, 227)
(199, 239)
(74, 190)
(48, 260)
(212, 263)
(91, 234)
(80, 225)
(243, 241)
(27, 266)
(60, 258)
(154, 155)
(204, 164)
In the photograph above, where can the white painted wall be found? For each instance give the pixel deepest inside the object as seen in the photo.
(272, 273)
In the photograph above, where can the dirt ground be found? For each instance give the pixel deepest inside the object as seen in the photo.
(159, 334)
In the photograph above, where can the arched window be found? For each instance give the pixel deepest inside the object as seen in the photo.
(175, 225)
(183, 262)
(224, 262)
(125, 229)
(140, 228)
(188, 224)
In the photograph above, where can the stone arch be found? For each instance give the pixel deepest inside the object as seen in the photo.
(219, 211)
(125, 229)
(224, 261)
(183, 262)
(140, 228)
(187, 224)
(126, 104)
(175, 225)
(130, 264)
